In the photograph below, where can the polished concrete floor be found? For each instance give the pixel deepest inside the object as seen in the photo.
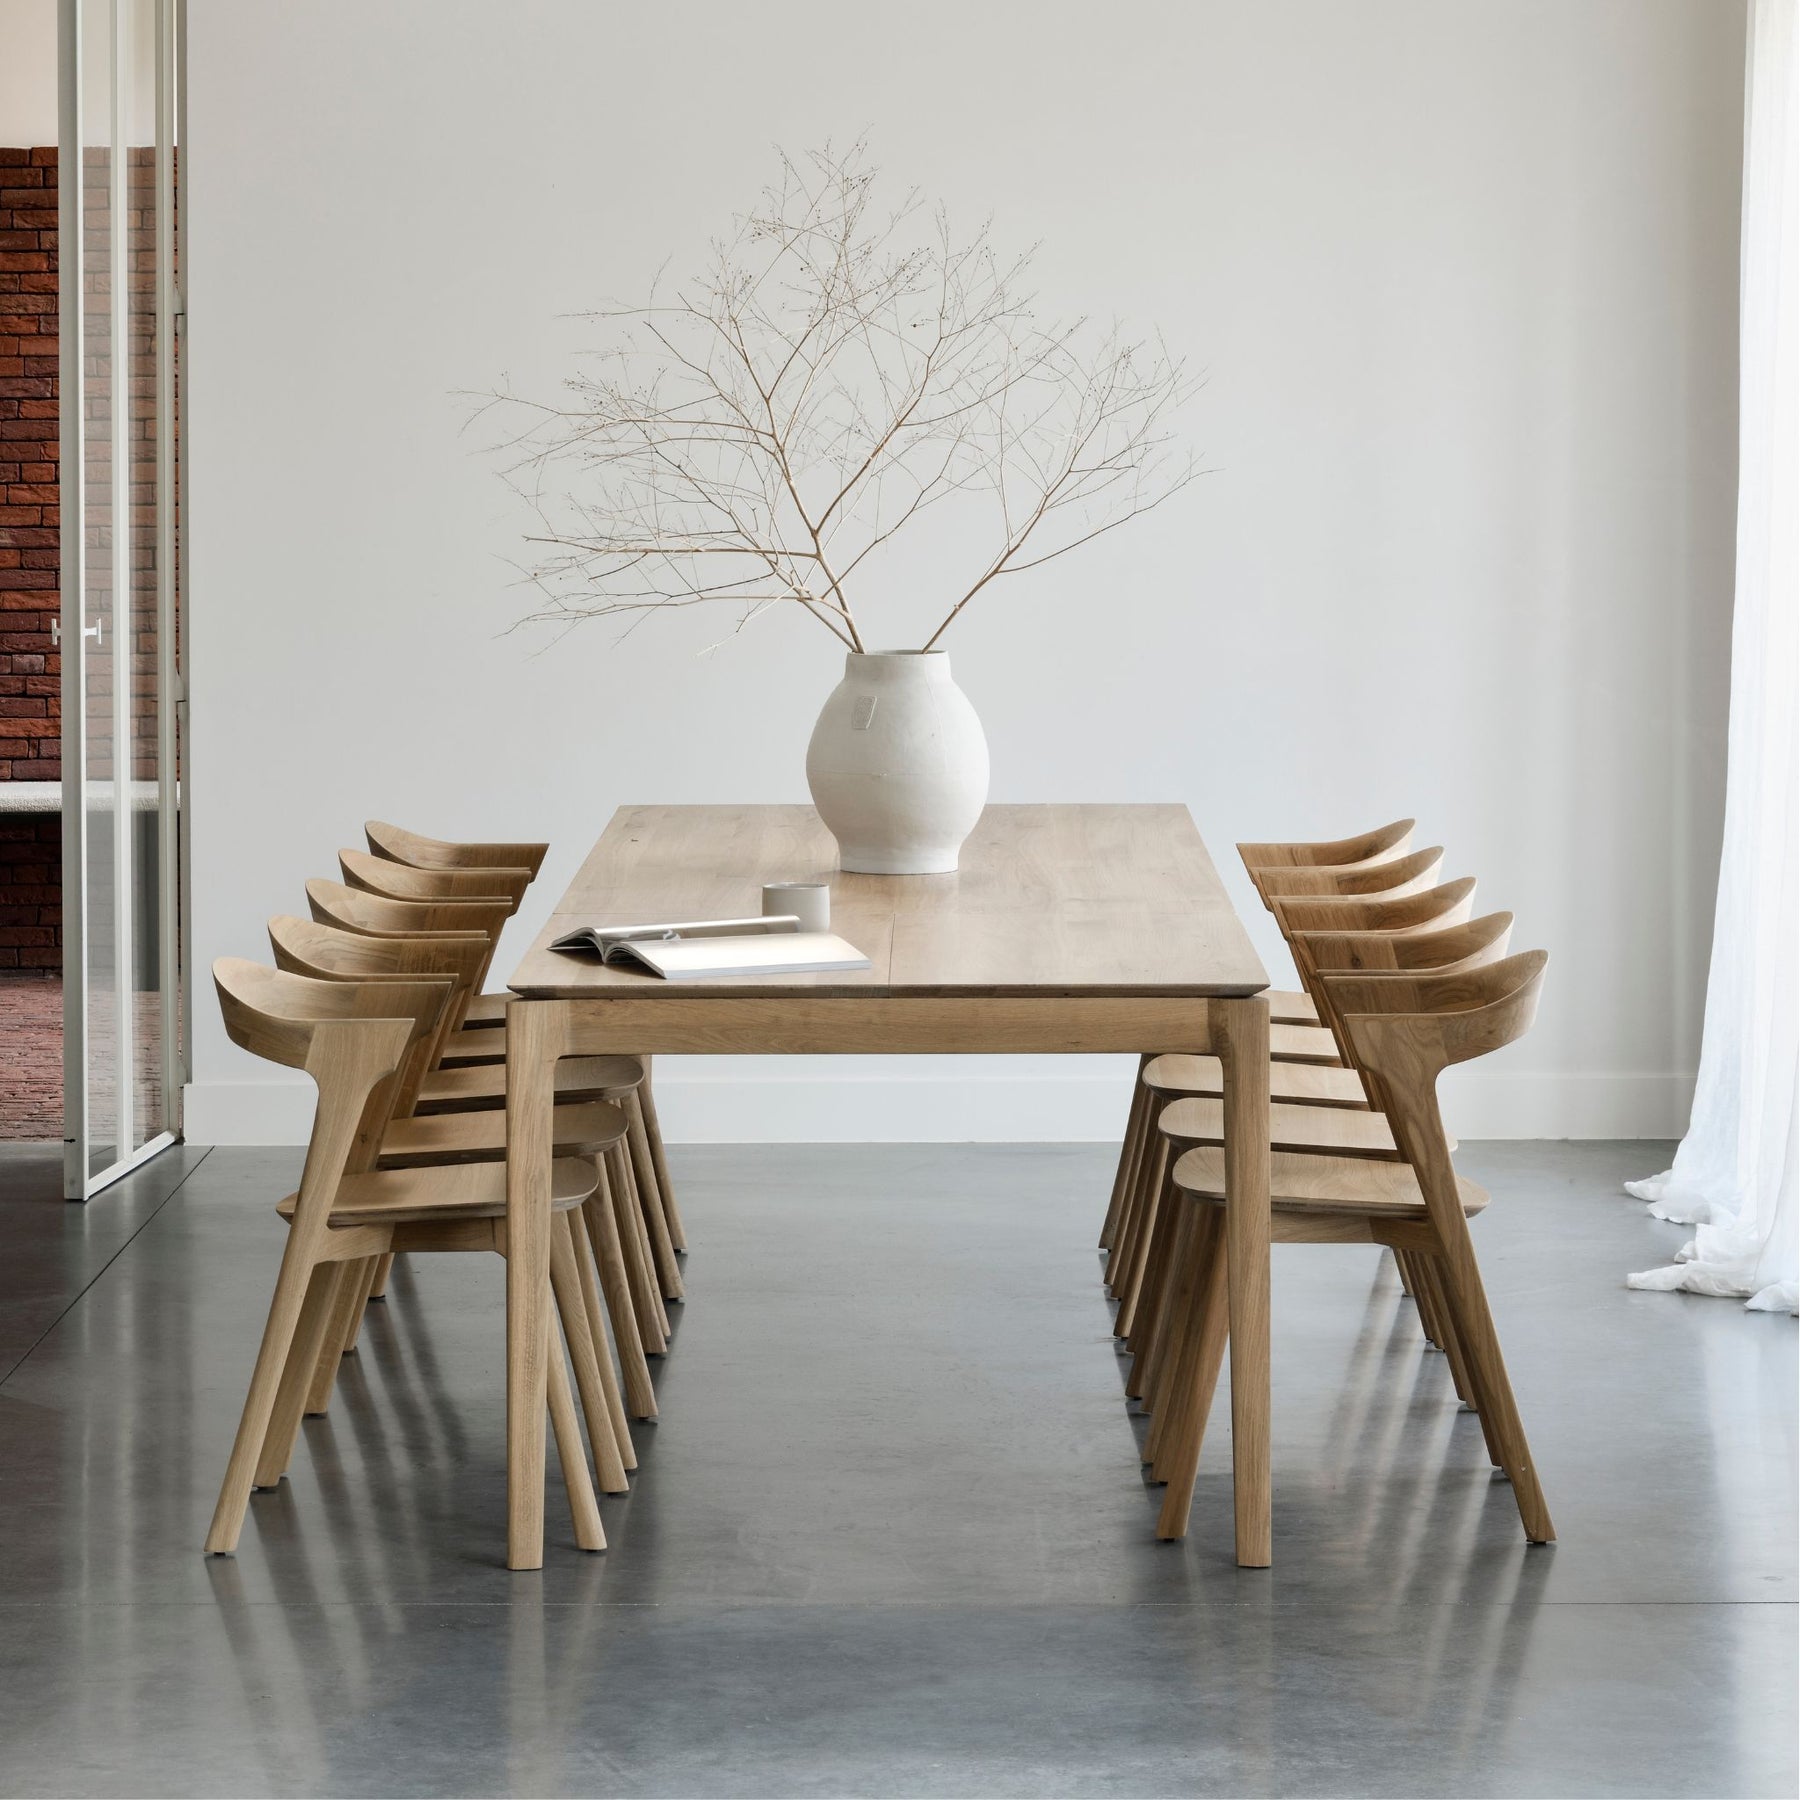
(890, 1536)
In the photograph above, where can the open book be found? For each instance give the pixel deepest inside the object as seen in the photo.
(701, 949)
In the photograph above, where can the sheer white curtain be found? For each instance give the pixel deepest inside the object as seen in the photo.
(1734, 1175)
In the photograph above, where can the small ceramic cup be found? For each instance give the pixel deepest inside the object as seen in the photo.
(808, 901)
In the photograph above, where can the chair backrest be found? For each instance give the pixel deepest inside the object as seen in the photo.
(403, 846)
(1400, 875)
(1405, 1030)
(1369, 846)
(1443, 952)
(353, 1038)
(401, 881)
(1428, 910)
(329, 953)
(331, 903)
(278, 1016)
(1405, 1022)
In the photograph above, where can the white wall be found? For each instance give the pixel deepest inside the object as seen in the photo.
(27, 73)
(1463, 278)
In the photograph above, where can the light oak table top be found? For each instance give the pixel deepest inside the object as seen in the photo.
(1049, 899)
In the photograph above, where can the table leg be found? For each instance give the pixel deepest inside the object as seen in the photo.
(1245, 1054)
(534, 1032)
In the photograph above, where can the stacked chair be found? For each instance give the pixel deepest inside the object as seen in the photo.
(1402, 982)
(378, 996)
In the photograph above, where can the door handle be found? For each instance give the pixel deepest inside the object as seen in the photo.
(95, 631)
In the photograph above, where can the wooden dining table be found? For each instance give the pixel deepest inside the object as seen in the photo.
(1067, 930)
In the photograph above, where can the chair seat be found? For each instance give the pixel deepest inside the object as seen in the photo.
(1306, 1130)
(434, 1195)
(479, 1086)
(1289, 1008)
(1305, 1084)
(479, 1047)
(1303, 1044)
(481, 1136)
(1301, 1130)
(490, 1009)
(1325, 1184)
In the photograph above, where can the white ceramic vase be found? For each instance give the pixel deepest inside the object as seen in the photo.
(898, 765)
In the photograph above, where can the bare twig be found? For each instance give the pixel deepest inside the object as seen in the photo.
(761, 432)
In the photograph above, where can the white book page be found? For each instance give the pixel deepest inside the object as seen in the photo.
(696, 959)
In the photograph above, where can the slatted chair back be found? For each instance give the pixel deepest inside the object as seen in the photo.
(1408, 874)
(353, 1038)
(1369, 846)
(400, 845)
(400, 881)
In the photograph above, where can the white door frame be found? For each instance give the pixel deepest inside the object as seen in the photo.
(80, 792)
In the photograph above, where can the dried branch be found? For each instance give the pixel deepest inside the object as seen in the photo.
(761, 431)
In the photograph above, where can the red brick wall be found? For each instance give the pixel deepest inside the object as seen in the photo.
(30, 722)
(30, 892)
(29, 719)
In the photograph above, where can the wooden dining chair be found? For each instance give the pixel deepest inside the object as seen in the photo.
(1163, 1078)
(487, 1012)
(357, 1040)
(1405, 1029)
(1134, 1177)
(1321, 1080)
(461, 1086)
(479, 1042)
(584, 1129)
(333, 903)
(432, 1126)
(1297, 1129)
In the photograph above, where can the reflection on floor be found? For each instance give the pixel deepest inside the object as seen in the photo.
(890, 1536)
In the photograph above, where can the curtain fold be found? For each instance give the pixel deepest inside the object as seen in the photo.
(1734, 1175)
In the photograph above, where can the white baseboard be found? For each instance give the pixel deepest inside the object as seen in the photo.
(758, 1104)
(1478, 1103)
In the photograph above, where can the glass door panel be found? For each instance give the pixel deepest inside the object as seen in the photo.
(120, 795)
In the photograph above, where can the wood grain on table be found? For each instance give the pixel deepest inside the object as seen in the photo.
(1049, 899)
